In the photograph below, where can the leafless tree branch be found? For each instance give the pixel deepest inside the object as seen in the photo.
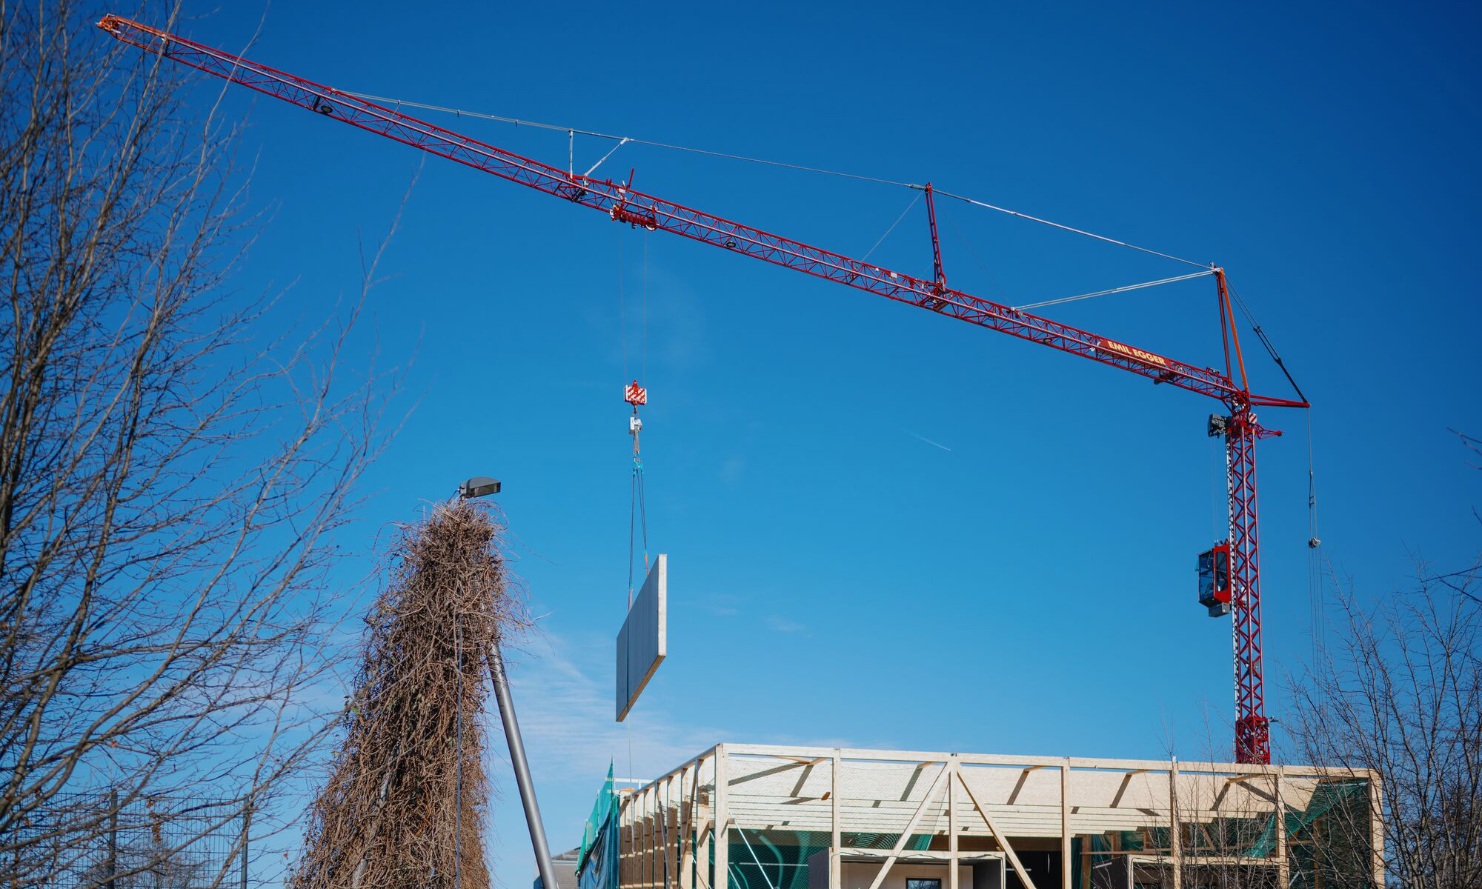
(169, 481)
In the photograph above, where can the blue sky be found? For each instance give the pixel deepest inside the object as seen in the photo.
(887, 528)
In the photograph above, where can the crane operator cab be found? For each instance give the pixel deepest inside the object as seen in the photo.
(1214, 579)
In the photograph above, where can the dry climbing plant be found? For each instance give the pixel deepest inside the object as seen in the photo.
(398, 811)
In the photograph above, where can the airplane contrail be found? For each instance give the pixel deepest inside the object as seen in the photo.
(928, 441)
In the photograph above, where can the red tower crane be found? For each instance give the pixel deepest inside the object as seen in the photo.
(1229, 573)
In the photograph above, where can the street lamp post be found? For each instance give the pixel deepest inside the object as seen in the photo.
(480, 486)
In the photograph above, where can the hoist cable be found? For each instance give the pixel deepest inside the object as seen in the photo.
(643, 359)
(622, 307)
(632, 500)
(573, 132)
(637, 520)
(642, 514)
(637, 507)
(1066, 228)
(1314, 556)
(972, 250)
(652, 144)
(643, 317)
(897, 221)
(1125, 289)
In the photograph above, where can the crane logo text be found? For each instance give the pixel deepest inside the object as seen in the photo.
(1130, 352)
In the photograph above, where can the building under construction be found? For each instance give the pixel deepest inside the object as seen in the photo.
(742, 816)
(750, 817)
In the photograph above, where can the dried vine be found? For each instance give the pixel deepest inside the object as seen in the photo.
(397, 810)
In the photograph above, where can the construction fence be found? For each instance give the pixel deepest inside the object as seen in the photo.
(99, 841)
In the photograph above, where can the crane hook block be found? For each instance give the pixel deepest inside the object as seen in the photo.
(635, 394)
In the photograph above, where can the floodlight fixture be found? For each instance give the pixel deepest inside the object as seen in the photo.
(478, 486)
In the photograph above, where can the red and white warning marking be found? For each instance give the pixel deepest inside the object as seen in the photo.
(635, 394)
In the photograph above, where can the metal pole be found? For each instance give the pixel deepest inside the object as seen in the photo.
(521, 768)
(246, 828)
(112, 839)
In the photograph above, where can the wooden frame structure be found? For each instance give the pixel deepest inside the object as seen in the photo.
(957, 811)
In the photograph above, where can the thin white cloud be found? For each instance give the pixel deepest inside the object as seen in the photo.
(563, 691)
(569, 713)
(783, 625)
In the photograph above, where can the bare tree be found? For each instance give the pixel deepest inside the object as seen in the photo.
(168, 478)
(1402, 695)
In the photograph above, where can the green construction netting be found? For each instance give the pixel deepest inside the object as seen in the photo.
(778, 859)
(1329, 844)
(597, 865)
(1342, 861)
(1325, 798)
(759, 859)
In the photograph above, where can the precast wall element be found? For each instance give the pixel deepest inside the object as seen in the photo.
(742, 816)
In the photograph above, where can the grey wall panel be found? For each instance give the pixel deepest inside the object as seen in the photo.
(644, 640)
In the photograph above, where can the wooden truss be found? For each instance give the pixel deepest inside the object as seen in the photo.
(973, 807)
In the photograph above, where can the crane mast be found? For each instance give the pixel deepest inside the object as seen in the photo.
(1236, 590)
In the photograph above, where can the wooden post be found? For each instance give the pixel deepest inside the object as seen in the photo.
(639, 852)
(648, 837)
(625, 850)
(636, 821)
(1376, 827)
(1283, 867)
(836, 840)
(704, 828)
(722, 820)
(1175, 835)
(1065, 825)
(686, 830)
(656, 833)
(635, 855)
(671, 828)
(952, 779)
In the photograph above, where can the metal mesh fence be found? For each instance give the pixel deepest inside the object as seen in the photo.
(99, 841)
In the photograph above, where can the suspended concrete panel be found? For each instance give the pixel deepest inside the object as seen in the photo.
(644, 640)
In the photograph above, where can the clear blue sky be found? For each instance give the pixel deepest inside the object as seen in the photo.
(887, 528)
